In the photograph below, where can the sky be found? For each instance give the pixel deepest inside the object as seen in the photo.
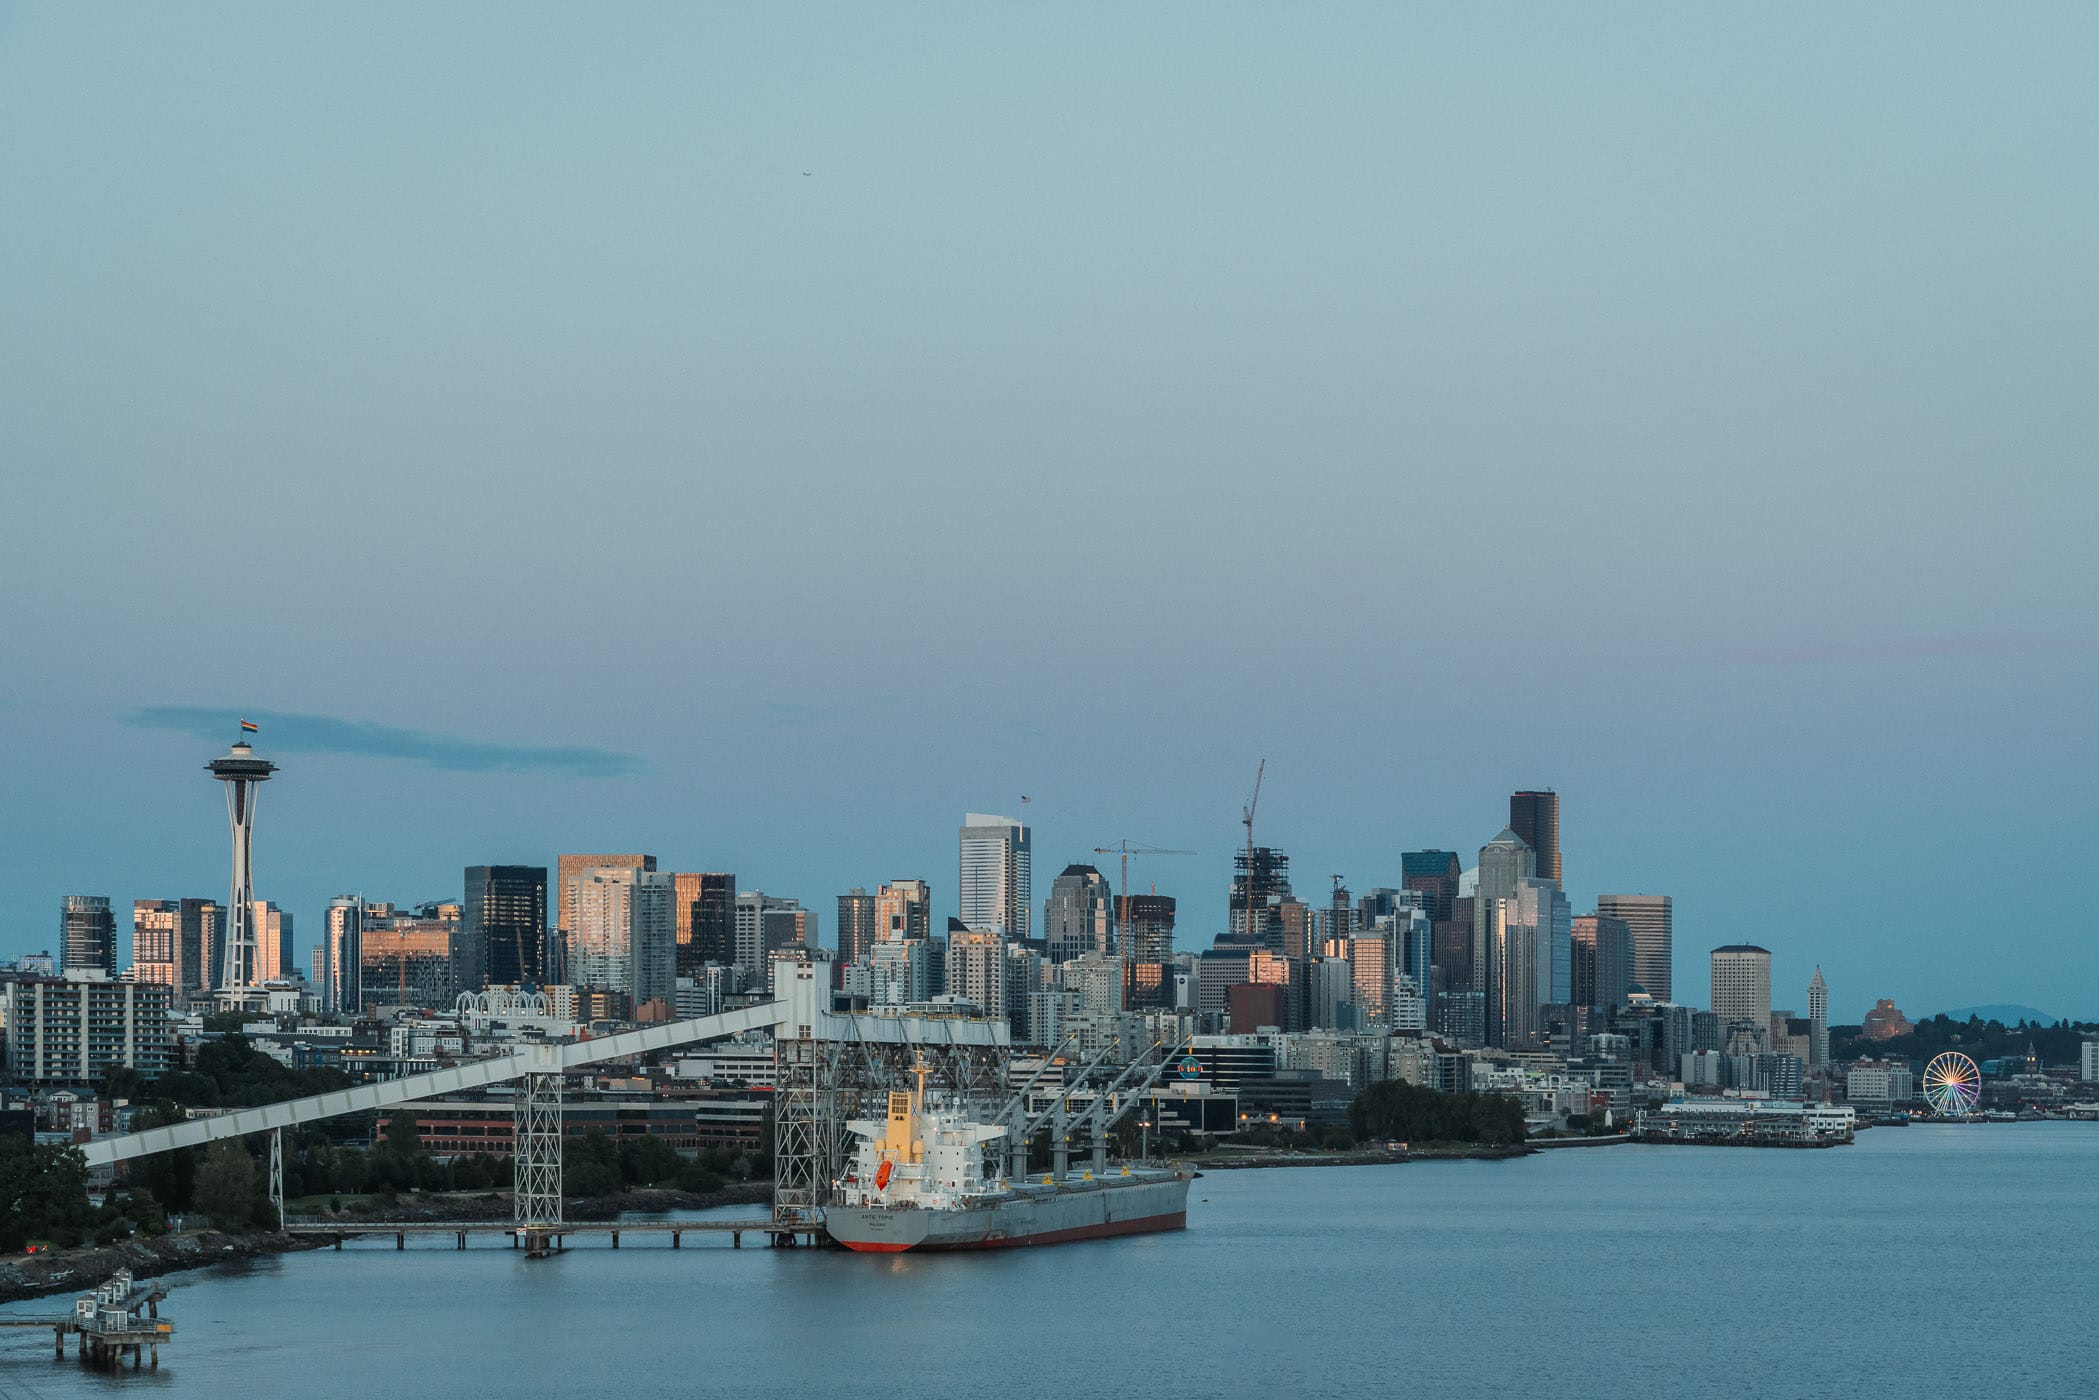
(760, 435)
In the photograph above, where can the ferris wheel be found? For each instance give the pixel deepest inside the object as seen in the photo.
(1952, 1085)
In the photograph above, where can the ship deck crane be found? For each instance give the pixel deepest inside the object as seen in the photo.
(1102, 1112)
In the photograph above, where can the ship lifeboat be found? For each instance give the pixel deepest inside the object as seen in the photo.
(882, 1175)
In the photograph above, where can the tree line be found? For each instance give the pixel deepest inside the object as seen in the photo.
(1393, 1109)
(43, 1200)
(2060, 1043)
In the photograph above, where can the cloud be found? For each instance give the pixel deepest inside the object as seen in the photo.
(289, 733)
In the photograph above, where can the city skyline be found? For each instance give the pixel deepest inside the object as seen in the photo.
(1508, 858)
(1439, 404)
(878, 637)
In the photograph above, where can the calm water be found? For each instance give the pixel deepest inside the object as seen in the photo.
(1929, 1260)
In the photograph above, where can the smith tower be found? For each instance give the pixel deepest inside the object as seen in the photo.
(242, 772)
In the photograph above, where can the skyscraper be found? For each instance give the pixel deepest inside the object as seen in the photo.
(1535, 817)
(765, 924)
(685, 889)
(504, 927)
(625, 940)
(901, 971)
(1078, 917)
(565, 867)
(87, 935)
(271, 928)
(1505, 863)
(1818, 1021)
(704, 903)
(342, 955)
(1435, 874)
(1151, 927)
(1603, 953)
(1649, 917)
(1434, 878)
(995, 890)
(1260, 887)
(404, 958)
(710, 928)
(1339, 921)
(243, 774)
(203, 939)
(1415, 935)
(856, 925)
(976, 969)
(1535, 964)
(156, 942)
(1742, 987)
(903, 909)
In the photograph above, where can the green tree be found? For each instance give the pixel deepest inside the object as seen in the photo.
(590, 1166)
(124, 1083)
(43, 1193)
(403, 1138)
(188, 1088)
(226, 1184)
(170, 1176)
(1392, 1108)
(645, 1161)
(698, 1179)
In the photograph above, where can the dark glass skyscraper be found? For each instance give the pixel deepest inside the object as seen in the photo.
(1435, 875)
(87, 935)
(203, 941)
(1535, 816)
(1603, 961)
(713, 925)
(504, 927)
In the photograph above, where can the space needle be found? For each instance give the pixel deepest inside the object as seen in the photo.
(241, 771)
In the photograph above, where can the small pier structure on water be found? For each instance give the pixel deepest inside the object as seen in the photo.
(120, 1317)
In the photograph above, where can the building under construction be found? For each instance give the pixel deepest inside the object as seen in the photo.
(1260, 889)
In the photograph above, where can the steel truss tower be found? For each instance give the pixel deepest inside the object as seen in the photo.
(242, 772)
(536, 1151)
(807, 1130)
(828, 1068)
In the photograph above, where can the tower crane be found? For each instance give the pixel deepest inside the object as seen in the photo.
(1125, 850)
(1246, 819)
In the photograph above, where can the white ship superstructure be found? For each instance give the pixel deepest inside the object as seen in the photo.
(919, 1156)
(918, 1179)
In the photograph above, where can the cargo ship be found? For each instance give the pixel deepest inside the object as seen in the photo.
(917, 1181)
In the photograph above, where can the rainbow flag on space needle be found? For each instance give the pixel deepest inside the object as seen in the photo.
(249, 727)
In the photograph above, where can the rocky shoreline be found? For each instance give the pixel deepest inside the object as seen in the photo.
(1364, 1157)
(79, 1270)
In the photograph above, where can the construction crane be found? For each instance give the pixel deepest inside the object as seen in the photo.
(1125, 850)
(1246, 819)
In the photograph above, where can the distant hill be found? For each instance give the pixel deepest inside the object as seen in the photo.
(2008, 1014)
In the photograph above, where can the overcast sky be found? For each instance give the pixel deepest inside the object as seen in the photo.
(759, 435)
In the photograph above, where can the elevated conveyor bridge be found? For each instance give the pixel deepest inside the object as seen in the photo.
(821, 1059)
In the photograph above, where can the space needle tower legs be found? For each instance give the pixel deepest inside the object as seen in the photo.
(242, 772)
